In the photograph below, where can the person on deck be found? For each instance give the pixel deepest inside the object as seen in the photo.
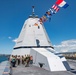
(31, 59)
(18, 59)
(13, 61)
(22, 60)
(27, 61)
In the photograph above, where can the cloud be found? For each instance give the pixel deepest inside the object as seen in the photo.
(15, 40)
(9, 37)
(66, 46)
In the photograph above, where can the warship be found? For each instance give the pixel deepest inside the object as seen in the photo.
(33, 40)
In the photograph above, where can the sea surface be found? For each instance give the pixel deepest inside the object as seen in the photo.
(3, 58)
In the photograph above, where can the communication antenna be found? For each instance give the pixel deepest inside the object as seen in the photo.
(33, 12)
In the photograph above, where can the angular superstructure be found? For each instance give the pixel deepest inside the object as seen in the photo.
(34, 40)
(32, 35)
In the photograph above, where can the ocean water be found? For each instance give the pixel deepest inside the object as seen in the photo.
(3, 58)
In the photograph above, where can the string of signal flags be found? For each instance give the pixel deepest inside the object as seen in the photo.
(53, 10)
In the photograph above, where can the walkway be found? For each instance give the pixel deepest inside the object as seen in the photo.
(33, 70)
(2, 66)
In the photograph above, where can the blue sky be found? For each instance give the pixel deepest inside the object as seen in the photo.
(61, 30)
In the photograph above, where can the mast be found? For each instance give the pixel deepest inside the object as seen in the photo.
(33, 13)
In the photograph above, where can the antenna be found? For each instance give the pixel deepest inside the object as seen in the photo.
(33, 13)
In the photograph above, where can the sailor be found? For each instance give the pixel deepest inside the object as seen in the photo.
(13, 61)
(27, 61)
(22, 60)
(18, 59)
(31, 59)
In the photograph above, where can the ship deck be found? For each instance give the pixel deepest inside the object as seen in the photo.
(5, 69)
(33, 70)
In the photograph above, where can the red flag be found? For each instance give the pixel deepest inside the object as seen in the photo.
(59, 1)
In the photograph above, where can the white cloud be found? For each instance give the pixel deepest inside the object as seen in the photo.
(66, 46)
(15, 40)
(9, 37)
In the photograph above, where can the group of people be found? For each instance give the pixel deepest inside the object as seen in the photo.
(17, 60)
